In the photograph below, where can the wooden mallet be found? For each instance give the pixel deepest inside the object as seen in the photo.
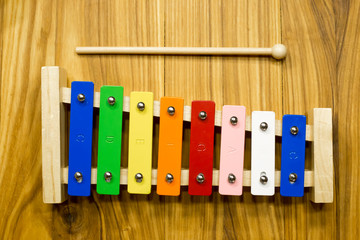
(278, 51)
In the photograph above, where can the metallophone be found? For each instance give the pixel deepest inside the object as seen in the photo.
(74, 169)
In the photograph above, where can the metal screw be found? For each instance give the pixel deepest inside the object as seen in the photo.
(107, 176)
(138, 177)
(263, 178)
(171, 110)
(200, 178)
(111, 100)
(202, 115)
(141, 106)
(169, 178)
(292, 177)
(231, 178)
(233, 120)
(81, 97)
(78, 176)
(263, 126)
(294, 130)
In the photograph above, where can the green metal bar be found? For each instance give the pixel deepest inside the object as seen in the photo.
(109, 145)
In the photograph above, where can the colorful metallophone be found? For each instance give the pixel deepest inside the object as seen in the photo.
(200, 177)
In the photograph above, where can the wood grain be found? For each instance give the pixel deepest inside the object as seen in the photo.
(188, 24)
(347, 118)
(321, 70)
(226, 81)
(28, 43)
(1, 41)
(113, 23)
(308, 75)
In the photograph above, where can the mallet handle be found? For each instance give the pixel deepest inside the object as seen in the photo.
(183, 51)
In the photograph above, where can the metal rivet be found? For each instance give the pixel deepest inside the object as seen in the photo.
(263, 126)
(169, 178)
(233, 120)
(202, 115)
(111, 100)
(171, 110)
(81, 97)
(78, 176)
(263, 178)
(200, 178)
(231, 178)
(107, 176)
(292, 177)
(141, 106)
(138, 177)
(294, 130)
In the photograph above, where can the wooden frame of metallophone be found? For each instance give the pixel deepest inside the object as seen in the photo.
(55, 94)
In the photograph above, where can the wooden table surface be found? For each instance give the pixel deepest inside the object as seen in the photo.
(321, 70)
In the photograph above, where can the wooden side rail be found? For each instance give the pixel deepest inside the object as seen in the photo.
(322, 160)
(53, 134)
(55, 172)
